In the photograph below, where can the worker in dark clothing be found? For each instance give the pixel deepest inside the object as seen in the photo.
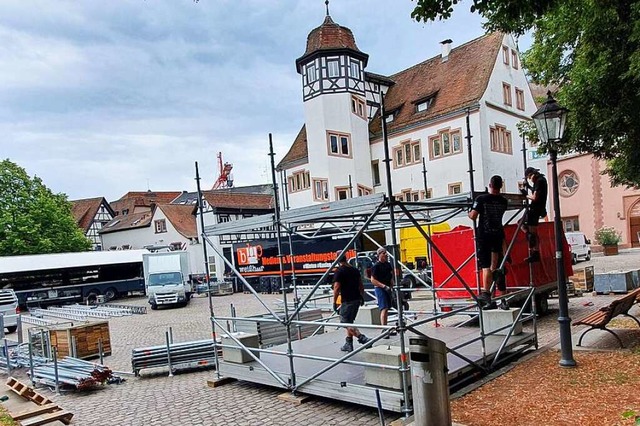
(382, 278)
(489, 209)
(537, 184)
(348, 284)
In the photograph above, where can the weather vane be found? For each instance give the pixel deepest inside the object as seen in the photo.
(326, 2)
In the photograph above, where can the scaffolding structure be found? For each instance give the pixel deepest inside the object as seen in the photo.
(351, 219)
(308, 365)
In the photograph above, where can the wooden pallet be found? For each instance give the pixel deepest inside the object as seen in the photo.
(26, 392)
(43, 413)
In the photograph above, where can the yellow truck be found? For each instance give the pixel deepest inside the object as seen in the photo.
(414, 251)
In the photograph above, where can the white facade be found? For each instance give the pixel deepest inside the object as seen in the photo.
(137, 238)
(496, 145)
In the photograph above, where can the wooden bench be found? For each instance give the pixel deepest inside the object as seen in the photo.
(599, 319)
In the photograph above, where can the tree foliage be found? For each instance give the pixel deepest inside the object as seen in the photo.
(591, 50)
(34, 220)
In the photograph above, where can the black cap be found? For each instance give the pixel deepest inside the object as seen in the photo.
(530, 171)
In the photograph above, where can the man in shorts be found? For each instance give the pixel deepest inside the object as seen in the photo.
(382, 278)
(537, 184)
(489, 209)
(348, 284)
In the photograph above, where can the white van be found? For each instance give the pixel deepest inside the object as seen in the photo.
(580, 246)
(9, 309)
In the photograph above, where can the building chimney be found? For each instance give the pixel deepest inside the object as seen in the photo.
(446, 48)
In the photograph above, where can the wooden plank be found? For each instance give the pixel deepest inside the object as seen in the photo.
(62, 415)
(36, 411)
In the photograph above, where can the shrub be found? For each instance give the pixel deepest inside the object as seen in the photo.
(607, 235)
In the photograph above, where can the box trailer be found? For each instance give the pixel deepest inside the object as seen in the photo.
(458, 248)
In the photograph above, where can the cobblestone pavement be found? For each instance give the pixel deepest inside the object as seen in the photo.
(185, 399)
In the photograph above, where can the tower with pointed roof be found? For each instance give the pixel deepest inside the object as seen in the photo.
(338, 158)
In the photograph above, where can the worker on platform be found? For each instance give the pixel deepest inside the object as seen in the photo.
(348, 285)
(537, 184)
(488, 209)
(382, 277)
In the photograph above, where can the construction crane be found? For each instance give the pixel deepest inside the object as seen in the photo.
(225, 178)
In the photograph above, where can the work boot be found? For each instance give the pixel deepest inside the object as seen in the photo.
(533, 257)
(484, 299)
(348, 345)
(362, 339)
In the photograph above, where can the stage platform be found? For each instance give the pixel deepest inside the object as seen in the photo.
(346, 382)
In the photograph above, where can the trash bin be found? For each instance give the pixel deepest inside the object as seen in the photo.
(429, 382)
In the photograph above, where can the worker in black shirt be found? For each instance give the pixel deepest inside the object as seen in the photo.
(348, 284)
(489, 209)
(382, 278)
(537, 184)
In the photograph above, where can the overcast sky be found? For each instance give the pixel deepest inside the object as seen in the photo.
(102, 98)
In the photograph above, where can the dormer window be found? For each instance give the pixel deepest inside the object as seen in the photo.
(423, 104)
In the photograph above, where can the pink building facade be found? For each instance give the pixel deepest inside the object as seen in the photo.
(589, 202)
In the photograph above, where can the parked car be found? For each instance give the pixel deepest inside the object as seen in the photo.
(9, 309)
(580, 246)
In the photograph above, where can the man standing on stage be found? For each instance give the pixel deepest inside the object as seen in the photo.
(348, 284)
(537, 184)
(489, 209)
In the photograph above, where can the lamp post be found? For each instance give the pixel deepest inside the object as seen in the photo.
(550, 120)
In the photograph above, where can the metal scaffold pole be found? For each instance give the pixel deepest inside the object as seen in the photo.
(206, 268)
(404, 366)
(276, 209)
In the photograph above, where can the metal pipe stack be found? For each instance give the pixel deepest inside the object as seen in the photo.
(75, 373)
(19, 357)
(185, 355)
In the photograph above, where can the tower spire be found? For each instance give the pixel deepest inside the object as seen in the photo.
(326, 3)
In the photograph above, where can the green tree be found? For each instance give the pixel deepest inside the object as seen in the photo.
(34, 220)
(591, 50)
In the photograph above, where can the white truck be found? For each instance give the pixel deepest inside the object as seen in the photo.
(167, 278)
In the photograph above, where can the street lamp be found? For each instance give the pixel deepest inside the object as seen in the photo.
(550, 120)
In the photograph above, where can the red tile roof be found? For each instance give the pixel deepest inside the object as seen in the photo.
(129, 221)
(454, 84)
(222, 199)
(182, 218)
(539, 92)
(84, 211)
(298, 153)
(327, 37)
(133, 199)
(330, 35)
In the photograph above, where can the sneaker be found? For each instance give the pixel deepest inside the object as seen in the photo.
(363, 340)
(348, 346)
(533, 257)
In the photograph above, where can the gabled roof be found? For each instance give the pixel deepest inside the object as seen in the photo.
(298, 153)
(453, 85)
(85, 210)
(182, 218)
(239, 201)
(129, 221)
(133, 199)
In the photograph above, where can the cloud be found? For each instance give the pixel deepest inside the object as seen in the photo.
(102, 98)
